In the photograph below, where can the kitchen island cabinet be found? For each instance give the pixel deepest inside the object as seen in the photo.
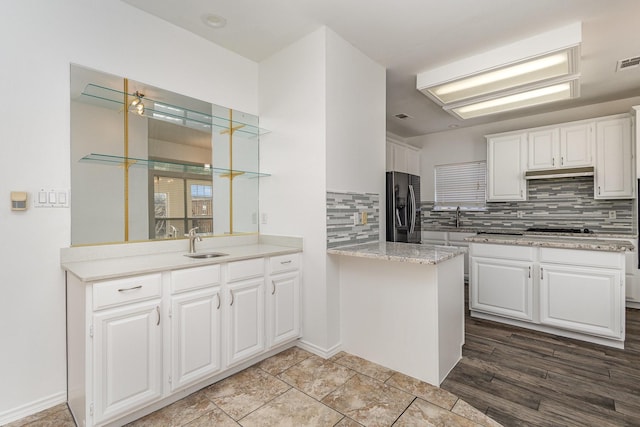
(402, 306)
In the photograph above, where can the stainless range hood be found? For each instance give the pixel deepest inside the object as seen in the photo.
(559, 173)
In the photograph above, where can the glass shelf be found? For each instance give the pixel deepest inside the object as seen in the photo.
(106, 159)
(112, 98)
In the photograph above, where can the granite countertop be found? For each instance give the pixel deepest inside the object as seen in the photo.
(400, 252)
(528, 233)
(109, 268)
(558, 241)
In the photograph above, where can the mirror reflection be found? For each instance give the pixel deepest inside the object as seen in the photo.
(149, 164)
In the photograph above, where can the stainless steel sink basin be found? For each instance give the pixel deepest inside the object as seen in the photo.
(205, 255)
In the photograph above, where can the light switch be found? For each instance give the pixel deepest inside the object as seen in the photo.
(42, 197)
(52, 197)
(62, 197)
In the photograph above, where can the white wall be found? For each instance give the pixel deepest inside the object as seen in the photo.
(326, 102)
(38, 41)
(469, 144)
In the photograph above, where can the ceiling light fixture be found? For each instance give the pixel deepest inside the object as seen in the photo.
(136, 105)
(491, 82)
(214, 21)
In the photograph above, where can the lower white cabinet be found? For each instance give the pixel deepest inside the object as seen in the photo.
(127, 364)
(139, 340)
(502, 287)
(195, 336)
(581, 299)
(580, 291)
(245, 320)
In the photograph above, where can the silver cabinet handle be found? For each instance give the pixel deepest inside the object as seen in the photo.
(218, 295)
(521, 193)
(285, 262)
(561, 161)
(529, 272)
(541, 273)
(598, 190)
(158, 311)
(273, 289)
(130, 289)
(231, 292)
(553, 161)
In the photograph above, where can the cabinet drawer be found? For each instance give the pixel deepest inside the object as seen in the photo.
(246, 269)
(194, 278)
(524, 253)
(123, 291)
(582, 257)
(282, 263)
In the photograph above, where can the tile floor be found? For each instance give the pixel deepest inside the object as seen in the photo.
(297, 388)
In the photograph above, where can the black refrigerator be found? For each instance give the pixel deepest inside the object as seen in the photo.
(403, 207)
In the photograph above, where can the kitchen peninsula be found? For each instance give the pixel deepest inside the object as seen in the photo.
(402, 306)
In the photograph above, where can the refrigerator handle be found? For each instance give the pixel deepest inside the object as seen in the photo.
(413, 209)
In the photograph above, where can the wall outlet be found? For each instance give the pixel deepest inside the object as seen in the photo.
(520, 214)
(612, 214)
(264, 218)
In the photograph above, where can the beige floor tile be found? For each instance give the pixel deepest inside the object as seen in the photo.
(423, 413)
(316, 376)
(348, 422)
(292, 409)
(337, 356)
(365, 367)
(178, 413)
(464, 409)
(424, 390)
(284, 360)
(42, 415)
(245, 391)
(216, 418)
(369, 402)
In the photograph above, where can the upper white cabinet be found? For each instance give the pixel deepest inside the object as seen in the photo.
(560, 147)
(403, 158)
(576, 145)
(506, 161)
(614, 160)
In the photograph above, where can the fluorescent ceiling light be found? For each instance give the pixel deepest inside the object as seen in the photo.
(548, 59)
(529, 98)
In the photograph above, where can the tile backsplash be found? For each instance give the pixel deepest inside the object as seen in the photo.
(340, 210)
(560, 202)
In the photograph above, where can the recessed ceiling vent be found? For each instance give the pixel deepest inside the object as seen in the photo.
(402, 116)
(625, 64)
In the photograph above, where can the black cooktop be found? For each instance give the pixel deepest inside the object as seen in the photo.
(559, 230)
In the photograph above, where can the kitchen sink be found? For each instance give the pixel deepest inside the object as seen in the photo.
(205, 255)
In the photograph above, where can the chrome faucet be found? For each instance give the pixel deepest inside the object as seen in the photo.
(174, 231)
(458, 217)
(192, 240)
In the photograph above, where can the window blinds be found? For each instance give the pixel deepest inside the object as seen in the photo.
(461, 184)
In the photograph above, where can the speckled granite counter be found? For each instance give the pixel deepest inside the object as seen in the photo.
(400, 252)
(561, 242)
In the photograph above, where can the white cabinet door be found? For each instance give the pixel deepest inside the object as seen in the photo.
(413, 162)
(195, 336)
(245, 320)
(582, 299)
(127, 351)
(543, 149)
(284, 308)
(576, 146)
(502, 287)
(506, 161)
(400, 158)
(614, 161)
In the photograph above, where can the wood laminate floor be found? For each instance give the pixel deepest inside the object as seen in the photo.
(526, 378)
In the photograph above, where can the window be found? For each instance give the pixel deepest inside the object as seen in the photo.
(461, 184)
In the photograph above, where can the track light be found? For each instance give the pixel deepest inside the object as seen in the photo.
(136, 105)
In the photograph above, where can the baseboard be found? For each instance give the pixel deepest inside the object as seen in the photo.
(32, 408)
(318, 351)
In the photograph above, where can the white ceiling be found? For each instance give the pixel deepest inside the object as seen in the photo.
(410, 36)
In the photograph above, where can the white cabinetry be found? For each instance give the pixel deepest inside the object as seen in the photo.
(126, 345)
(245, 313)
(403, 158)
(506, 161)
(195, 325)
(576, 293)
(501, 280)
(560, 147)
(614, 159)
(283, 306)
(582, 291)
